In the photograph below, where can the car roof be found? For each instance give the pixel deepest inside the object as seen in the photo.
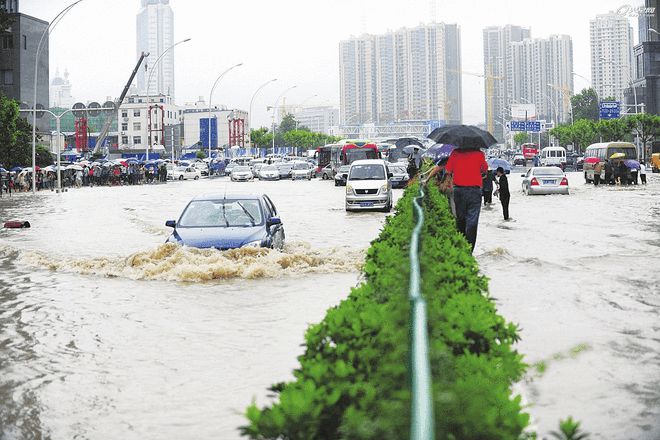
(219, 196)
(369, 162)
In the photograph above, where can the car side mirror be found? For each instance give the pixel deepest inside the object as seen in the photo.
(523, 175)
(345, 176)
(390, 175)
(274, 221)
(171, 223)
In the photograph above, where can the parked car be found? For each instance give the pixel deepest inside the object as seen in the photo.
(326, 172)
(301, 170)
(228, 221)
(342, 174)
(229, 168)
(256, 167)
(285, 169)
(400, 175)
(519, 160)
(241, 173)
(202, 167)
(185, 173)
(269, 172)
(368, 186)
(544, 180)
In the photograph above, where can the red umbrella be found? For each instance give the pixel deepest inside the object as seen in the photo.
(591, 160)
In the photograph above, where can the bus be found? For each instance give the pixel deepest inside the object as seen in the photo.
(529, 150)
(344, 152)
(603, 151)
(323, 156)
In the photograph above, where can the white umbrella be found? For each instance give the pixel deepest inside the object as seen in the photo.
(74, 167)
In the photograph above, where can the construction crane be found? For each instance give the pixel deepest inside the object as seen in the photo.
(108, 121)
(489, 92)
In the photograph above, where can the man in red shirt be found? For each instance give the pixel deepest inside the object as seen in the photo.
(467, 167)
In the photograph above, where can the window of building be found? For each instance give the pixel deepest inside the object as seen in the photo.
(124, 140)
(136, 126)
(139, 99)
(155, 125)
(124, 113)
(24, 42)
(136, 113)
(124, 126)
(7, 41)
(137, 140)
(131, 100)
(7, 77)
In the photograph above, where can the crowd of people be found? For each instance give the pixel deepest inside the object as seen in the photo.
(617, 172)
(105, 173)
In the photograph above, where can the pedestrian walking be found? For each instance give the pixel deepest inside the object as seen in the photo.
(466, 167)
(609, 173)
(598, 168)
(642, 172)
(487, 187)
(503, 190)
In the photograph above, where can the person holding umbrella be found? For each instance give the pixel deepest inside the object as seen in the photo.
(467, 165)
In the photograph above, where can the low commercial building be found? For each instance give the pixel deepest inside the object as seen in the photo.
(227, 126)
(146, 122)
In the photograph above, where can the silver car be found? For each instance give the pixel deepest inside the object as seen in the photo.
(301, 170)
(241, 173)
(544, 180)
(269, 172)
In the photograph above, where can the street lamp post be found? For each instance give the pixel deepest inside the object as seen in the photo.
(275, 107)
(251, 102)
(211, 97)
(651, 30)
(151, 72)
(50, 27)
(556, 87)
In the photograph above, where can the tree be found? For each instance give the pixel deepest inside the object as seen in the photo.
(15, 135)
(585, 105)
(520, 138)
(611, 130)
(288, 123)
(200, 155)
(260, 137)
(646, 126)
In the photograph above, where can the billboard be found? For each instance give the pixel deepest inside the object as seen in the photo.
(523, 111)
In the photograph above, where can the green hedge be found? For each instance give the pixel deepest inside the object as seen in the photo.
(352, 382)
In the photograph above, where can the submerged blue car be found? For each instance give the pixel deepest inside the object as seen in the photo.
(228, 221)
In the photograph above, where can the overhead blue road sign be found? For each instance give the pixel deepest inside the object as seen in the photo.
(534, 126)
(610, 109)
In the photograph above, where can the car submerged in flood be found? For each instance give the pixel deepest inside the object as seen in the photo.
(228, 221)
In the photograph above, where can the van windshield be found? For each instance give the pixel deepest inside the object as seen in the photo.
(367, 172)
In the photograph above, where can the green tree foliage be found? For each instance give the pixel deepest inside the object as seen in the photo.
(646, 126)
(288, 123)
(260, 137)
(569, 429)
(610, 130)
(520, 138)
(352, 382)
(200, 154)
(585, 105)
(16, 137)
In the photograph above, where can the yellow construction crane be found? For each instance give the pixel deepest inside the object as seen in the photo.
(489, 92)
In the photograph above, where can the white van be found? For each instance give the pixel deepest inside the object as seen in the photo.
(368, 186)
(553, 156)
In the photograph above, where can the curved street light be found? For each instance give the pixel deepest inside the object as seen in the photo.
(151, 72)
(275, 107)
(211, 97)
(251, 102)
(50, 27)
(559, 89)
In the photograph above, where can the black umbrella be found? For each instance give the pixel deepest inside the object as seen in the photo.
(404, 142)
(464, 137)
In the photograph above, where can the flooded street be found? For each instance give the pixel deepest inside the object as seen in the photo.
(105, 332)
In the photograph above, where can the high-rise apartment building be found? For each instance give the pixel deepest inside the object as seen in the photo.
(498, 73)
(18, 50)
(611, 54)
(155, 34)
(542, 72)
(410, 74)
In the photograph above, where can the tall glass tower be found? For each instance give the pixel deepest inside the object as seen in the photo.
(155, 34)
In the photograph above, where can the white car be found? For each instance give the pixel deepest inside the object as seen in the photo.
(241, 173)
(368, 186)
(185, 173)
(544, 180)
(301, 170)
(269, 172)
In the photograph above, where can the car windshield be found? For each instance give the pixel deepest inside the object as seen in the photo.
(241, 168)
(285, 166)
(300, 166)
(398, 170)
(629, 152)
(367, 172)
(221, 213)
(548, 171)
(269, 168)
(180, 168)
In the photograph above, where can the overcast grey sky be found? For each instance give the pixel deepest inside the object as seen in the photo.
(295, 41)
